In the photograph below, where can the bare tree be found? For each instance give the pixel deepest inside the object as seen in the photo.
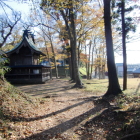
(7, 23)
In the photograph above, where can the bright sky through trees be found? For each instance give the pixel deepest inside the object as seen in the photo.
(24, 8)
(133, 48)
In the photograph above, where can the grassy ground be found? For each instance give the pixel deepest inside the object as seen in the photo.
(100, 86)
(82, 70)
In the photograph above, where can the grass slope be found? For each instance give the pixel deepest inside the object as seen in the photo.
(82, 71)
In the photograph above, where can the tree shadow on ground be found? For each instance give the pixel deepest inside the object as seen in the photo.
(55, 132)
(92, 98)
(59, 129)
(112, 125)
(96, 82)
(48, 91)
(42, 89)
(19, 119)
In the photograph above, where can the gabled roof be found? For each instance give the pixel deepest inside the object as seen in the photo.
(131, 69)
(136, 71)
(30, 44)
(129, 66)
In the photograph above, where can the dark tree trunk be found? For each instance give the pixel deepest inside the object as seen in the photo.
(103, 71)
(86, 64)
(74, 52)
(65, 68)
(71, 44)
(70, 65)
(92, 60)
(95, 73)
(89, 72)
(48, 59)
(103, 65)
(73, 78)
(124, 46)
(113, 87)
(79, 43)
(99, 72)
(72, 36)
(56, 69)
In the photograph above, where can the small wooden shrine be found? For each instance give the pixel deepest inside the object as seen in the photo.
(25, 62)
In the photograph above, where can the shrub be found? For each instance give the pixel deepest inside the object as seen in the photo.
(3, 67)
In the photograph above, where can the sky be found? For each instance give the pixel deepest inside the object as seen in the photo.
(133, 52)
(133, 48)
(24, 8)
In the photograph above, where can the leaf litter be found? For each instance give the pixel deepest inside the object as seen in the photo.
(71, 115)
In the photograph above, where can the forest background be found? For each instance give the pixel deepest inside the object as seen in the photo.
(69, 30)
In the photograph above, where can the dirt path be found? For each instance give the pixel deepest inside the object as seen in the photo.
(66, 110)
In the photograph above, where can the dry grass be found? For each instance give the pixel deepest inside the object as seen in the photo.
(100, 86)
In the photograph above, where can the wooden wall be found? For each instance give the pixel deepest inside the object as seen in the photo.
(24, 57)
